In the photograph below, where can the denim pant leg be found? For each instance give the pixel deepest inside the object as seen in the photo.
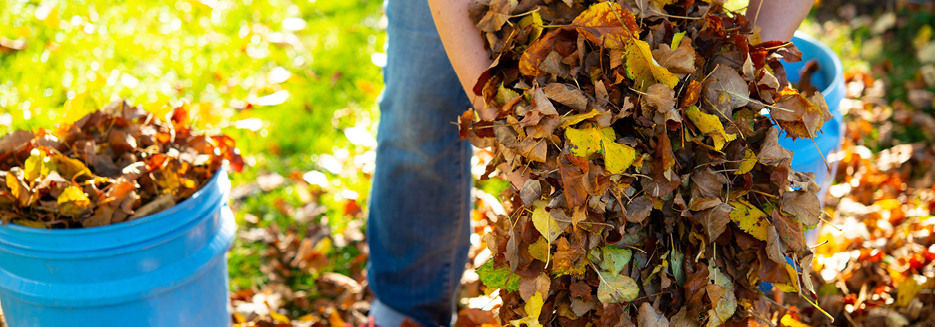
(418, 226)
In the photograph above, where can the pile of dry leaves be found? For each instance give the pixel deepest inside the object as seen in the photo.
(648, 185)
(112, 165)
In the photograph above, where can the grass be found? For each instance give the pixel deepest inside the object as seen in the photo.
(225, 59)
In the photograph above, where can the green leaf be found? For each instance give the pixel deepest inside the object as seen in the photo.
(726, 301)
(676, 39)
(615, 259)
(616, 288)
(497, 277)
(676, 263)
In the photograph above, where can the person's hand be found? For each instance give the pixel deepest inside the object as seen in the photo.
(778, 20)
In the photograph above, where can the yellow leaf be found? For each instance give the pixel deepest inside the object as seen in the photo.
(676, 39)
(788, 321)
(544, 223)
(607, 24)
(589, 141)
(533, 310)
(746, 165)
(711, 126)
(70, 168)
(309, 317)
(76, 107)
(29, 223)
(534, 20)
(794, 277)
(750, 219)
(643, 69)
(33, 165)
(539, 250)
(72, 201)
(280, 318)
(907, 291)
(574, 119)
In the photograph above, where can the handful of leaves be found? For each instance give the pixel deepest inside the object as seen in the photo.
(648, 184)
(112, 165)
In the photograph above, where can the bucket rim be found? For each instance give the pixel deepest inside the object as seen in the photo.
(838, 72)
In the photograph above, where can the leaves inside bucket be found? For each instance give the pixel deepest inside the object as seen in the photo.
(112, 165)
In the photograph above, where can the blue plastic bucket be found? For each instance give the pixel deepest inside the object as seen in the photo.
(830, 79)
(168, 269)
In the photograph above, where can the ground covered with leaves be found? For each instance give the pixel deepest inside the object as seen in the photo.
(300, 250)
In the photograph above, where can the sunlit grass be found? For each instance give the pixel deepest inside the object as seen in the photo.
(301, 72)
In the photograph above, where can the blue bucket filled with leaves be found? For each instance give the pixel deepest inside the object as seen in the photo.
(167, 269)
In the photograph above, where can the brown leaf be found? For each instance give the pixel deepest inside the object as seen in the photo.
(725, 90)
(529, 286)
(707, 183)
(531, 191)
(496, 16)
(700, 203)
(663, 179)
(771, 153)
(803, 204)
(541, 103)
(534, 150)
(14, 141)
(581, 290)
(691, 96)
(771, 271)
(679, 60)
(775, 248)
(573, 179)
(579, 214)
(544, 128)
(559, 40)
(659, 97)
(161, 203)
(714, 220)
(649, 317)
(568, 259)
(790, 231)
(567, 95)
(799, 116)
(639, 209)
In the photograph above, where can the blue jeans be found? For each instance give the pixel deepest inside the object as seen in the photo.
(418, 226)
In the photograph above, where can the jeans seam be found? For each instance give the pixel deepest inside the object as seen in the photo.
(457, 239)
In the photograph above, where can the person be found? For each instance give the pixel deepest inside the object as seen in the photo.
(419, 217)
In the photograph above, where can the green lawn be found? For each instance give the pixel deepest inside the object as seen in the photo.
(284, 78)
